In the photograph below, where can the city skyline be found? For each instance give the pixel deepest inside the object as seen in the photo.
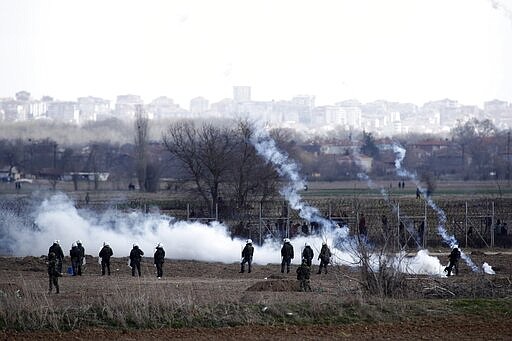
(401, 51)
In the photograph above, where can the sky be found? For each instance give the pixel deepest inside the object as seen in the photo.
(398, 50)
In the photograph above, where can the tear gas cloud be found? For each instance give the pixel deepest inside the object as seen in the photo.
(56, 217)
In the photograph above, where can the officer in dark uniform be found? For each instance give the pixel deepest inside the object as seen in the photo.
(454, 261)
(325, 257)
(308, 254)
(286, 255)
(247, 254)
(105, 254)
(159, 260)
(59, 255)
(135, 259)
(74, 254)
(81, 258)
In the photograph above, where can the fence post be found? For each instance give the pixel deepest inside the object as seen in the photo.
(398, 225)
(217, 211)
(492, 226)
(188, 211)
(425, 230)
(466, 225)
(259, 225)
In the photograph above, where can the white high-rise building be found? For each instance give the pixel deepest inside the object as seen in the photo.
(199, 105)
(242, 94)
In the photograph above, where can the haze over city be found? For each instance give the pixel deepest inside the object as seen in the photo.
(404, 51)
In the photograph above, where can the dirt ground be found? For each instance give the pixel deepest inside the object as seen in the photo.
(201, 283)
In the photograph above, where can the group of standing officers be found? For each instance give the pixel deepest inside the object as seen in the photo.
(77, 255)
(287, 254)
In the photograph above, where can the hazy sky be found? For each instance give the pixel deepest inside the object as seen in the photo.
(397, 50)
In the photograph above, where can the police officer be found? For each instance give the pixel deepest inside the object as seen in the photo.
(59, 255)
(325, 257)
(53, 273)
(159, 257)
(247, 254)
(135, 259)
(303, 275)
(307, 254)
(81, 260)
(454, 261)
(74, 254)
(105, 254)
(286, 255)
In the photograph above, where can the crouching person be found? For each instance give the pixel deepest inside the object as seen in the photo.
(53, 273)
(303, 275)
(454, 261)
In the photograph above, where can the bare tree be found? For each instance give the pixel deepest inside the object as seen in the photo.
(252, 177)
(204, 153)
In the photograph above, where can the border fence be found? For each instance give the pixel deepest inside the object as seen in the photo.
(406, 222)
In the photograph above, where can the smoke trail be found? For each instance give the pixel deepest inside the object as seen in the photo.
(499, 6)
(286, 168)
(422, 263)
(385, 194)
(450, 240)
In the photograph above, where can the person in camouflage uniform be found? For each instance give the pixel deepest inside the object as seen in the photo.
(303, 275)
(287, 255)
(53, 273)
(247, 254)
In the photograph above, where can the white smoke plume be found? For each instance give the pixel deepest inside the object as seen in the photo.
(288, 169)
(488, 269)
(450, 240)
(500, 6)
(56, 217)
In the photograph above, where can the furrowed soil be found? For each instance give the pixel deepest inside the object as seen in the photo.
(213, 301)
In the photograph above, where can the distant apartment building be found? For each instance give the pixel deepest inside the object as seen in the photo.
(127, 106)
(93, 109)
(164, 107)
(199, 105)
(499, 112)
(12, 110)
(63, 111)
(225, 107)
(304, 105)
(241, 94)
